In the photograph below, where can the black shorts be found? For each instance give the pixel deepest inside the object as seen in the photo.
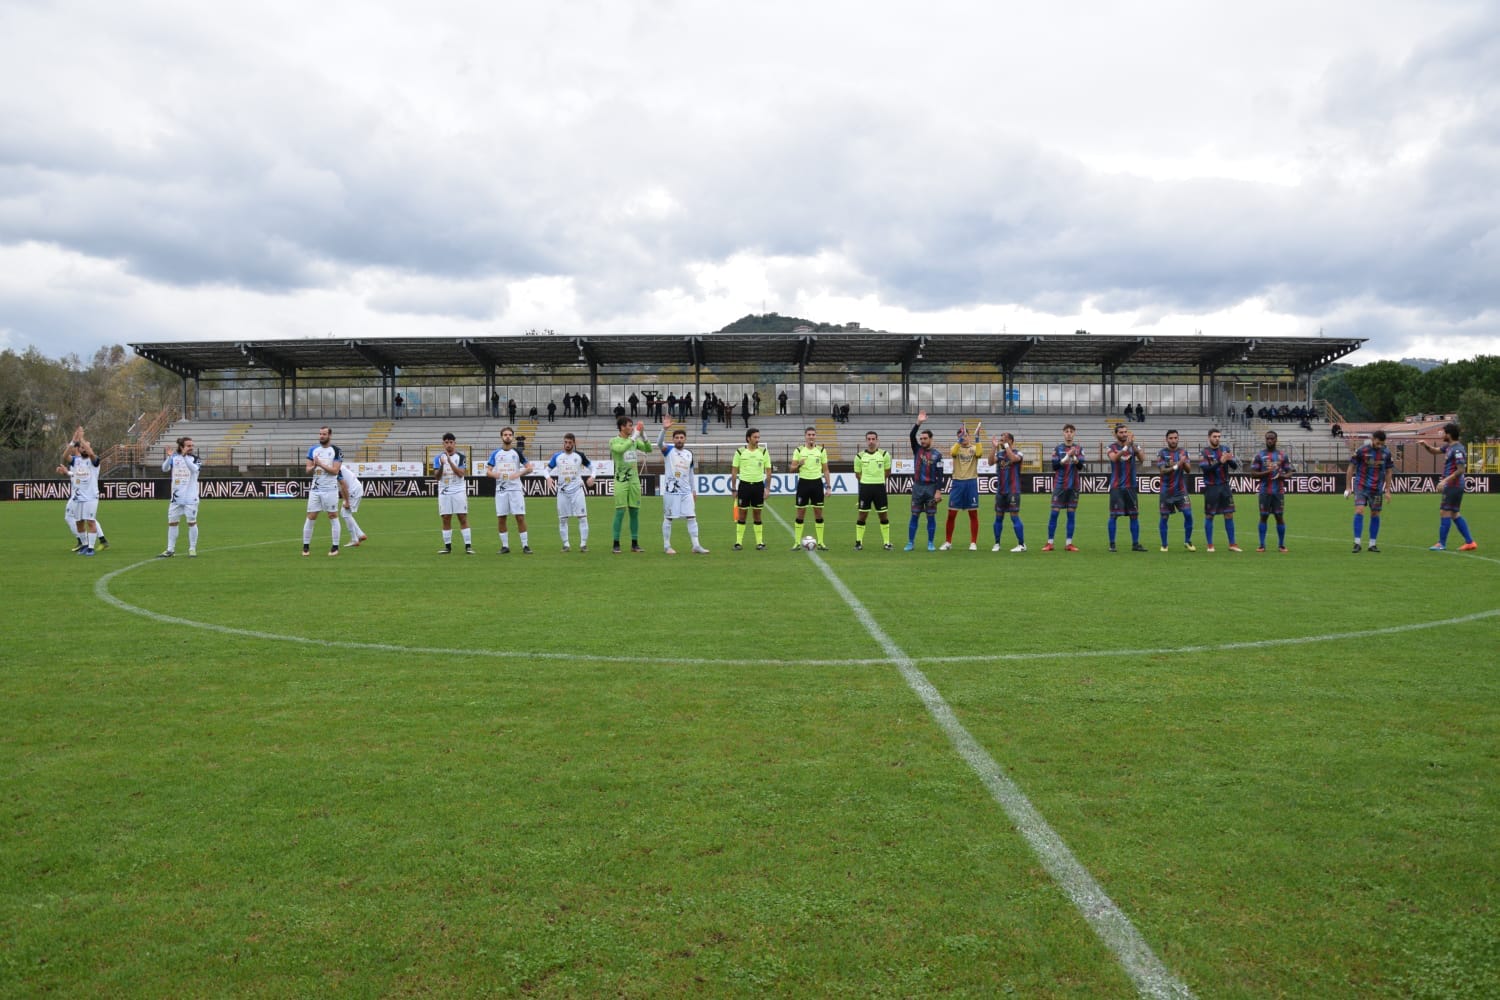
(1177, 502)
(924, 498)
(1007, 503)
(1373, 499)
(1122, 502)
(1453, 498)
(1218, 500)
(1272, 503)
(809, 492)
(1063, 499)
(750, 494)
(872, 495)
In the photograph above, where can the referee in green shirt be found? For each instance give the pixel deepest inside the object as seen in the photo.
(747, 481)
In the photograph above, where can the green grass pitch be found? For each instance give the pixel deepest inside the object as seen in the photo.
(642, 776)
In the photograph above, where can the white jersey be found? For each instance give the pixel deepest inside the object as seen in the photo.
(323, 480)
(450, 470)
(184, 470)
(677, 478)
(85, 475)
(507, 462)
(570, 469)
(351, 482)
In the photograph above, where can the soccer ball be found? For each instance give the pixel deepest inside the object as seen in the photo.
(809, 542)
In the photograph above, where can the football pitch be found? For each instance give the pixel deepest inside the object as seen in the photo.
(960, 774)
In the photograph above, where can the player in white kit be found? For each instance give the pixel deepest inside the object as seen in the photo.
(507, 465)
(183, 466)
(324, 460)
(351, 492)
(82, 467)
(679, 490)
(70, 509)
(450, 467)
(570, 468)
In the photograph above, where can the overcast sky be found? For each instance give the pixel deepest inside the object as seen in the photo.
(193, 171)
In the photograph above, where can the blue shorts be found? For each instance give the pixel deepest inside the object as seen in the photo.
(963, 494)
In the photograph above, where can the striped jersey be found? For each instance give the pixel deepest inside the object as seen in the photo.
(927, 464)
(1173, 479)
(1216, 463)
(1276, 461)
(1007, 472)
(1455, 460)
(1370, 466)
(1067, 474)
(1122, 472)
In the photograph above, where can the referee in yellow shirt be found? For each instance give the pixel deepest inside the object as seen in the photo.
(810, 463)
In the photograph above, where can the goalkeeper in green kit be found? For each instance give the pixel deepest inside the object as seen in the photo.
(625, 451)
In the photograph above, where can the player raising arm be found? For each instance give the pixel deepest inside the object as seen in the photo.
(1455, 464)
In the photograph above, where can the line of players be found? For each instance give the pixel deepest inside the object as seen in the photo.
(336, 491)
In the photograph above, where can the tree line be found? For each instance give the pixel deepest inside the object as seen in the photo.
(1393, 390)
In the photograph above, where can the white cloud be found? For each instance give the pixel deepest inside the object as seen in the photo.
(590, 166)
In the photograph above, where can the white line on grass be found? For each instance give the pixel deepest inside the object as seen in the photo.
(1151, 977)
(101, 590)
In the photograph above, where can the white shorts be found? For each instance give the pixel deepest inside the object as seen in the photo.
(85, 510)
(572, 503)
(323, 500)
(676, 505)
(453, 503)
(510, 502)
(354, 499)
(70, 512)
(181, 511)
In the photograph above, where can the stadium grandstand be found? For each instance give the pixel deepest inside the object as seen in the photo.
(256, 405)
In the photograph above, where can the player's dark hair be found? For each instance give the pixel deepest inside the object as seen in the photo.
(1214, 430)
(1070, 427)
(752, 430)
(325, 427)
(1452, 430)
(806, 429)
(622, 421)
(182, 440)
(449, 437)
(1378, 435)
(569, 436)
(1118, 428)
(1167, 435)
(504, 429)
(868, 433)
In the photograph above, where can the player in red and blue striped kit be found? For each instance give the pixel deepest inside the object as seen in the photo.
(1007, 462)
(1370, 485)
(1174, 464)
(1217, 463)
(1067, 464)
(1272, 467)
(1455, 464)
(1123, 455)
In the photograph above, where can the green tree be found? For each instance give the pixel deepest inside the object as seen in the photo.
(1479, 414)
(1438, 390)
(1379, 387)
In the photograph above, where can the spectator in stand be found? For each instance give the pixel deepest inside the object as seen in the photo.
(672, 405)
(781, 402)
(685, 404)
(635, 404)
(400, 406)
(551, 410)
(755, 401)
(511, 409)
(584, 403)
(1336, 430)
(567, 404)
(1140, 413)
(494, 403)
(619, 410)
(1249, 412)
